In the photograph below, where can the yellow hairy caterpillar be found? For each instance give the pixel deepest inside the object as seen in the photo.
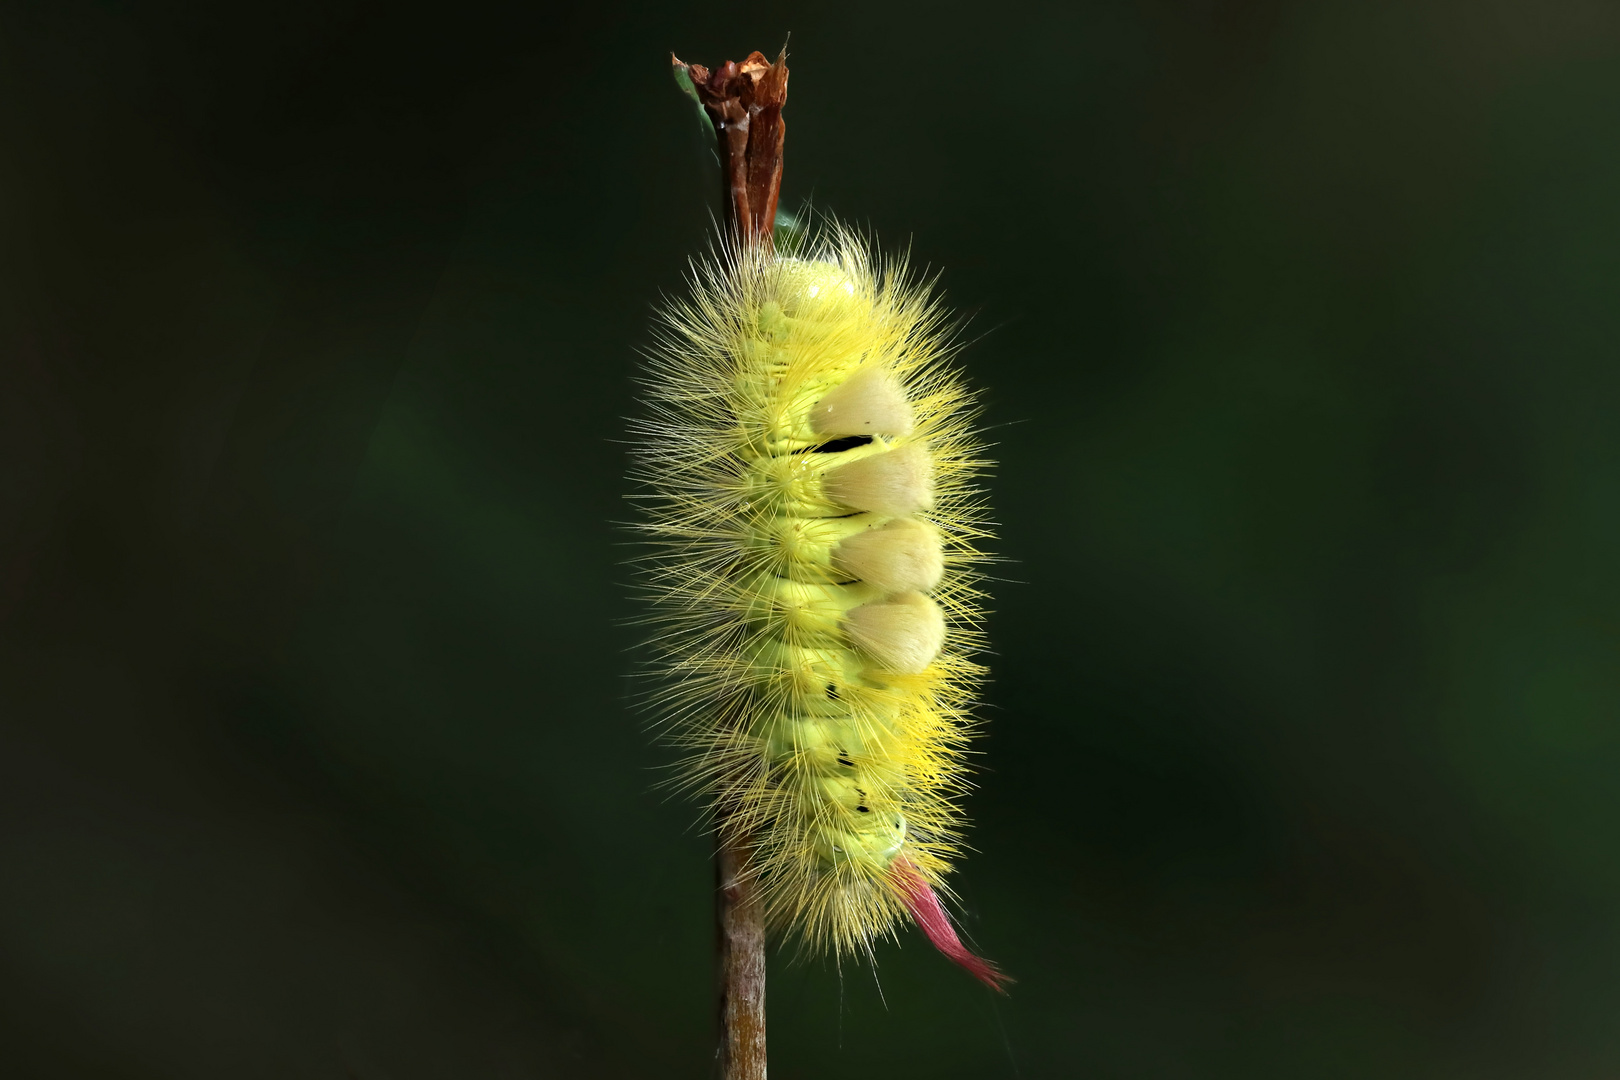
(810, 491)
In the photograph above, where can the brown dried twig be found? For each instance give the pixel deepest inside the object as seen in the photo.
(744, 102)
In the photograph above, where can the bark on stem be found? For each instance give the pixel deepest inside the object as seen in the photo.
(742, 968)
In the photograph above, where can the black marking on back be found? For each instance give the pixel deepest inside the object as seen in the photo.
(837, 446)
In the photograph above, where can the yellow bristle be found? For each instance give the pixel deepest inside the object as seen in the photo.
(809, 475)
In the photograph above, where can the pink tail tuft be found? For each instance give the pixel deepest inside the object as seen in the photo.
(927, 913)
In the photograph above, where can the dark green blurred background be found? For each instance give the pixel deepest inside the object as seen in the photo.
(1299, 328)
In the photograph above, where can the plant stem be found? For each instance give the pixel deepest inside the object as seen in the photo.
(744, 103)
(742, 967)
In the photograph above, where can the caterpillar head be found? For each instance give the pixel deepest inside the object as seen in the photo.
(815, 289)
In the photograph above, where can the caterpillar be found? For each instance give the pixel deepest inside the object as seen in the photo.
(809, 470)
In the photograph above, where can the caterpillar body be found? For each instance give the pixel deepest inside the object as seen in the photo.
(810, 490)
